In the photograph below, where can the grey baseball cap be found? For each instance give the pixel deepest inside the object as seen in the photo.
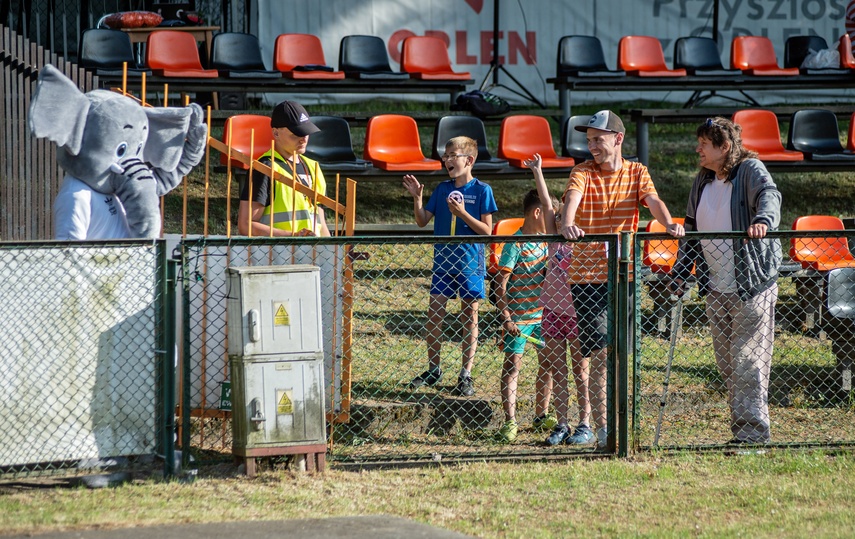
(605, 120)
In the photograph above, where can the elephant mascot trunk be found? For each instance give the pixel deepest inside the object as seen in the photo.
(118, 157)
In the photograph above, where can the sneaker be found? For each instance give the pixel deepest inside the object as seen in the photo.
(508, 433)
(465, 386)
(428, 378)
(559, 434)
(544, 423)
(581, 435)
(602, 435)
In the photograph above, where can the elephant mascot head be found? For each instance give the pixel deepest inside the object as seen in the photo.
(110, 144)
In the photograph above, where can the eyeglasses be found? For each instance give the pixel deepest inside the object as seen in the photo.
(711, 122)
(450, 156)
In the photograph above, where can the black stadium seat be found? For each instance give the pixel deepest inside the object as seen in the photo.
(365, 57)
(814, 132)
(104, 51)
(332, 146)
(238, 55)
(582, 56)
(700, 56)
(468, 126)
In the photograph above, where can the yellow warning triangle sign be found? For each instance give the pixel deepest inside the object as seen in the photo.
(281, 317)
(285, 405)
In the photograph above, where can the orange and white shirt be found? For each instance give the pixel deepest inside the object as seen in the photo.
(609, 205)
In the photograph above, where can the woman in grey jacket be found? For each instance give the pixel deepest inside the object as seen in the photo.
(734, 192)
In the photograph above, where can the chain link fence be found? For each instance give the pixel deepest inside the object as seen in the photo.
(82, 357)
(718, 371)
(376, 298)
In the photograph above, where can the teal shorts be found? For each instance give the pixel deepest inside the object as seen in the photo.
(516, 345)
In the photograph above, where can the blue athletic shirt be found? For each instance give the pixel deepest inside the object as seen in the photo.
(461, 258)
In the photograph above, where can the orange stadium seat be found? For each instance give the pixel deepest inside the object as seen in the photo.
(170, 53)
(755, 55)
(844, 48)
(300, 56)
(642, 56)
(822, 254)
(761, 133)
(660, 255)
(392, 143)
(238, 131)
(427, 58)
(522, 136)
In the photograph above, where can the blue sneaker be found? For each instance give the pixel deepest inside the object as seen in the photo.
(602, 435)
(559, 434)
(581, 435)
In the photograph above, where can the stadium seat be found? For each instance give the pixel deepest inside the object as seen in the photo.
(502, 227)
(426, 58)
(814, 132)
(237, 55)
(844, 49)
(238, 131)
(700, 56)
(642, 56)
(761, 133)
(522, 136)
(170, 53)
(105, 51)
(797, 48)
(448, 127)
(582, 56)
(840, 296)
(755, 55)
(575, 143)
(392, 143)
(823, 253)
(300, 56)
(850, 139)
(660, 255)
(332, 146)
(365, 57)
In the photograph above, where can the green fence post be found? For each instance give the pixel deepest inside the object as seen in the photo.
(624, 333)
(169, 364)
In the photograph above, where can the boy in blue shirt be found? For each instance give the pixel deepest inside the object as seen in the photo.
(463, 206)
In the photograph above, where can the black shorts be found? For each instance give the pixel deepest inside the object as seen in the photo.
(592, 310)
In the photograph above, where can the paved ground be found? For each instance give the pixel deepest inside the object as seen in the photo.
(368, 527)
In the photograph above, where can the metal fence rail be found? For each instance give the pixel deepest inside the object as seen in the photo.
(376, 293)
(82, 357)
(684, 399)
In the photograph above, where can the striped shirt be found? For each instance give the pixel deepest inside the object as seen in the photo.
(609, 205)
(526, 263)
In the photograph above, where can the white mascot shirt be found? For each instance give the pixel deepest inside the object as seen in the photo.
(79, 213)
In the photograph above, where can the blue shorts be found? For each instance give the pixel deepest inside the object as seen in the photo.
(457, 285)
(516, 345)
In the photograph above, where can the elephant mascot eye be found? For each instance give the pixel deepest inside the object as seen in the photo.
(121, 149)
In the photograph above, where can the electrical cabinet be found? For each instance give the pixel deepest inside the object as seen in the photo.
(277, 361)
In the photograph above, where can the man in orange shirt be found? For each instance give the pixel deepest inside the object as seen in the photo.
(602, 197)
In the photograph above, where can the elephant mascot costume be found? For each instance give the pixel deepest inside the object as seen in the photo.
(118, 157)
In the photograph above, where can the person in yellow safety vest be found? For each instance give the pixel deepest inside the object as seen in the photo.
(289, 214)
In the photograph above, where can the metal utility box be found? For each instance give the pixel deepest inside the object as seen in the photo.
(276, 362)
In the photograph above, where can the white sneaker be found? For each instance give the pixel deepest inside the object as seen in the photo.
(602, 434)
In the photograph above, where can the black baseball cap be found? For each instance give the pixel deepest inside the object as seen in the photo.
(292, 115)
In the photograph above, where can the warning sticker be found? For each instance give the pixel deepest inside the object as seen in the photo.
(280, 315)
(284, 404)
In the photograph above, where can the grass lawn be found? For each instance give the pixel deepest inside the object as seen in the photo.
(779, 494)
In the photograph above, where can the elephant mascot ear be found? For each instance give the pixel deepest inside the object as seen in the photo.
(167, 129)
(58, 110)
